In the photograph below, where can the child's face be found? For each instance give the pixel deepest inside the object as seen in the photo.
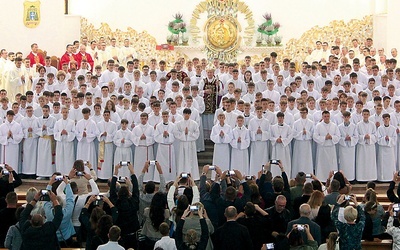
(124, 126)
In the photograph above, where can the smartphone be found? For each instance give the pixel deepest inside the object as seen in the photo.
(347, 197)
(45, 195)
(6, 172)
(44, 192)
(249, 177)
(184, 175)
(124, 163)
(275, 162)
(99, 200)
(194, 208)
(300, 227)
(212, 167)
(121, 179)
(308, 175)
(79, 173)
(269, 246)
(152, 163)
(263, 168)
(396, 210)
(86, 163)
(59, 178)
(231, 172)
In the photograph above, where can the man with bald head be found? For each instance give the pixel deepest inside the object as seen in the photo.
(37, 234)
(231, 235)
(279, 217)
(315, 230)
(83, 55)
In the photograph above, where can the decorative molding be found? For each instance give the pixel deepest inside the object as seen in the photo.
(295, 49)
(144, 43)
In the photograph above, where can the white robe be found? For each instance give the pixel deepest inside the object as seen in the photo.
(386, 161)
(165, 153)
(187, 153)
(86, 149)
(65, 154)
(240, 150)
(144, 148)
(30, 145)
(105, 166)
(259, 144)
(347, 150)
(395, 121)
(132, 117)
(302, 160)
(45, 163)
(123, 151)
(325, 159)
(281, 151)
(366, 154)
(10, 146)
(221, 156)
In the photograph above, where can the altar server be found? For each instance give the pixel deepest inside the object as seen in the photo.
(107, 130)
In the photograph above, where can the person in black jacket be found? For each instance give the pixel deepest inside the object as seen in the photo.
(127, 204)
(279, 218)
(35, 233)
(230, 198)
(205, 195)
(231, 235)
(390, 192)
(7, 183)
(280, 186)
(192, 242)
(256, 221)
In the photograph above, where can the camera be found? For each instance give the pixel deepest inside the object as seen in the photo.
(230, 173)
(45, 196)
(86, 163)
(347, 197)
(269, 246)
(185, 175)
(249, 177)
(5, 172)
(152, 163)
(300, 227)
(194, 208)
(124, 163)
(59, 178)
(308, 175)
(80, 173)
(212, 167)
(275, 162)
(99, 200)
(263, 168)
(396, 209)
(121, 179)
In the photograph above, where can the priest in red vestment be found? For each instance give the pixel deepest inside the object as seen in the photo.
(34, 57)
(81, 55)
(67, 58)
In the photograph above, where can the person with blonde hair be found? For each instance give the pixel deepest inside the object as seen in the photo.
(350, 232)
(315, 202)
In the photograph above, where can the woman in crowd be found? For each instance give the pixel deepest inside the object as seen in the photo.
(90, 220)
(315, 202)
(101, 232)
(332, 243)
(350, 232)
(370, 196)
(192, 240)
(153, 216)
(393, 228)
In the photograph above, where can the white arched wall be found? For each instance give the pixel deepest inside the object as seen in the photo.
(57, 29)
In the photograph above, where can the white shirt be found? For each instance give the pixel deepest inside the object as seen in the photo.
(111, 245)
(166, 243)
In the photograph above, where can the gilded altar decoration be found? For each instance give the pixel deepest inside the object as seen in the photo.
(31, 17)
(144, 44)
(222, 32)
(360, 29)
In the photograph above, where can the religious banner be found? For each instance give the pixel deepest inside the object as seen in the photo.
(31, 13)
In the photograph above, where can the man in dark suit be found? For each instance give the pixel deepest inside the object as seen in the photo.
(307, 191)
(231, 235)
(315, 230)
